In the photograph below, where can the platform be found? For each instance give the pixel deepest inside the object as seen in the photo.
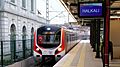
(80, 56)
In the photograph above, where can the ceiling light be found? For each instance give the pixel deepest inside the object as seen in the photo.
(118, 12)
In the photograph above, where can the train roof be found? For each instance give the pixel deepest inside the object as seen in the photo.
(48, 28)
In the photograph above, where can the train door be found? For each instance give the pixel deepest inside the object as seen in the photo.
(66, 41)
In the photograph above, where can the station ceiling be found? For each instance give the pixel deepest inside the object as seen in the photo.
(115, 8)
(73, 7)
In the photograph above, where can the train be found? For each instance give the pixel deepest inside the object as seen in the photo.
(54, 42)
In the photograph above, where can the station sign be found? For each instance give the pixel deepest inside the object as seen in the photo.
(90, 9)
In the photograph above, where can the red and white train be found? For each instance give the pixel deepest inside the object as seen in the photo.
(54, 42)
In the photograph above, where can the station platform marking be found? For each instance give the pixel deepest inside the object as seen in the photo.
(82, 57)
(68, 58)
(73, 54)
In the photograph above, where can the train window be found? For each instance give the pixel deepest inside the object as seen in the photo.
(40, 38)
(50, 36)
(49, 41)
(67, 38)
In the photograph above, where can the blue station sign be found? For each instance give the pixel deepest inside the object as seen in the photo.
(90, 10)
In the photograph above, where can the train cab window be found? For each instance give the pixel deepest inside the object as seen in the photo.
(50, 38)
(49, 41)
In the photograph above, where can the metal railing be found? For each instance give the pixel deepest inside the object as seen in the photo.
(12, 51)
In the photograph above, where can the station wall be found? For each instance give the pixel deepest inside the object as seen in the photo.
(115, 37)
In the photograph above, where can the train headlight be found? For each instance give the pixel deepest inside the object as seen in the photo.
(59, 49)
(37, 49)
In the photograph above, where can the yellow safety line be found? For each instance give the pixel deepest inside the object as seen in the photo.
(71, 56)
(82, 57)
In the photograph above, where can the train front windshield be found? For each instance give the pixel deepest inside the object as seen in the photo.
(48, 38)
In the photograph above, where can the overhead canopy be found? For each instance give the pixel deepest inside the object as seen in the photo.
(73, 7)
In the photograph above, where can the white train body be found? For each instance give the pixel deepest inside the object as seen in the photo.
(53, 42)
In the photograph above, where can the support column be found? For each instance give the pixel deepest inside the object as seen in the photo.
(93, 34)
(98, 38)
(106, 33)
(47, 11)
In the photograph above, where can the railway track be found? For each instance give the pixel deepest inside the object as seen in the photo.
(49, 62)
